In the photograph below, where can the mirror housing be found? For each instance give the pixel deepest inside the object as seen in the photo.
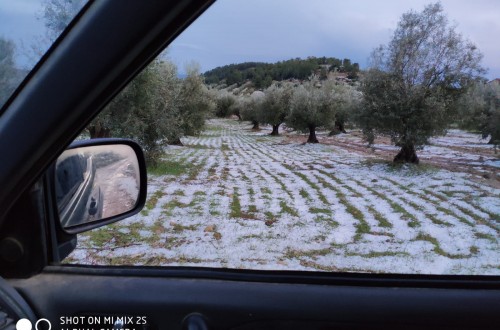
(97, 182)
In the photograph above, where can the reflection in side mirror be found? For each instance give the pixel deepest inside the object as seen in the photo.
(97, 182)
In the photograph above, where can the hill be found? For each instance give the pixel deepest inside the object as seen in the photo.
(262, 74)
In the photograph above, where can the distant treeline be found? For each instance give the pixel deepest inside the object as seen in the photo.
(262, 74)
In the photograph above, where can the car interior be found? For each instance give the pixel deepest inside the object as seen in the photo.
(106, 46)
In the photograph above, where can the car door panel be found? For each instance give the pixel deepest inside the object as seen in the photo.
(225, 304)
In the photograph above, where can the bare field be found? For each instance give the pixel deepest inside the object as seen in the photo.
(242, 199)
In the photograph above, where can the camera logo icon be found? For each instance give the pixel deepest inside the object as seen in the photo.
(41, 324)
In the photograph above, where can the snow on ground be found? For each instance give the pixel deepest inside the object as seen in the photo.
(241, 199)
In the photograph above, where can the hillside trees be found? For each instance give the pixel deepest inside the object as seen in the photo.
(275, 106)
(409, 90)
(312, 106)
(479, 109)
(262, 74)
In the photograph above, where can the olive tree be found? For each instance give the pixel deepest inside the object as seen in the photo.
(413, 81)
(58, 13)
(145, 110)
(195, 104)
(9, 77)
(276, 106)
(313, 105)
(349, 100)
(479, 109)
(224, 105)
(251, 108)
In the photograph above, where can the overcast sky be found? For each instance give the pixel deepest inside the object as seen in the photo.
(234, 31)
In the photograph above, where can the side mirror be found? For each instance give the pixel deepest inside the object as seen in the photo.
(97, 182)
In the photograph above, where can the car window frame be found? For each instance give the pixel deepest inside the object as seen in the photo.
(103, 94)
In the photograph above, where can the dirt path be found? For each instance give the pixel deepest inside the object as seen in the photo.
(118, 185)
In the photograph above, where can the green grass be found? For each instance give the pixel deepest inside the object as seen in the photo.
(316, 210)
(397, 208)
(115, 236)
(278, 181)
(194, 170)
(287, 209)
(450, 213)
(314, 186)
(269, 215)
(171, 205)
(382, 221)
(250, 236)
(486, 236)
(362, 227)
(377, 254)
(179, 192)
(235, 207)
(326, 219)
(407, 168)
(436, 221)
(437, 248)
(297, 254)
(439, 208)
(412, 221)
(178, 228)
(169, 167)
(304, 193)
(252, 208)
(266, 190)
(153, 199)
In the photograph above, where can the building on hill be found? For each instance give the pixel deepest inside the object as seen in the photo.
(495, 81)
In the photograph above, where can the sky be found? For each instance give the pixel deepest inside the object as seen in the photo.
(234, 31)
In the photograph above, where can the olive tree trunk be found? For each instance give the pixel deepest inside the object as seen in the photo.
(407, 154)
(338, 128)
(256, 126)
(176, 142)
(275, 131)
(99, 131)
(312, 135)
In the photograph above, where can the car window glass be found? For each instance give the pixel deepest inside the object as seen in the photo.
(27, 29)
(320, 136)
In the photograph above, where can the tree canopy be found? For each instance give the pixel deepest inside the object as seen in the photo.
(413, 82)
(251, 108)
(313, 105)
(276, 106)
(8, 73)
(145, 110)
(195, 103)
(479, 109)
